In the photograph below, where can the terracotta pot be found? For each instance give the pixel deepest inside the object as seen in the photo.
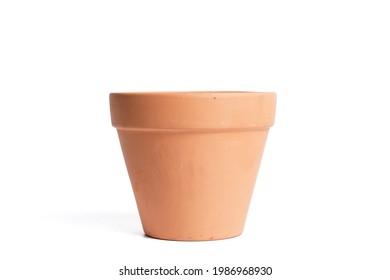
(192, 158)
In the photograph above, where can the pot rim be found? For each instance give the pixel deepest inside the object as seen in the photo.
(197, 93)
(192, 110)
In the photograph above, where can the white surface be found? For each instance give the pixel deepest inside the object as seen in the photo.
(321, 205)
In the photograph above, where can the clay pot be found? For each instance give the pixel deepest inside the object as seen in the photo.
(192, 158)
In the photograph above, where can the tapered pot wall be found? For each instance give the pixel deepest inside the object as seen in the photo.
(192, 180)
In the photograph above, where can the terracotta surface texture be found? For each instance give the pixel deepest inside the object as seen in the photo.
(193, 158)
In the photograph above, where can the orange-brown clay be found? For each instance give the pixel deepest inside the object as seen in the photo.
(192, 158)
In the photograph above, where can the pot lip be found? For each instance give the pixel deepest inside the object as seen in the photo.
(220, 93)
(192, 110)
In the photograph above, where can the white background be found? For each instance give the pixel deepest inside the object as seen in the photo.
(321, 204)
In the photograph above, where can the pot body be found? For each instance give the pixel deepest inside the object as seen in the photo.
(192, 158)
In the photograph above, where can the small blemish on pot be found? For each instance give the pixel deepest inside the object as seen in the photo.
(211, 238)
(214, 98)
